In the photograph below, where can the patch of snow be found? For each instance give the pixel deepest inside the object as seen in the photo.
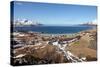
(55, 43)
(36, 48)
(83, 58)
(22, 35)
(21, 55)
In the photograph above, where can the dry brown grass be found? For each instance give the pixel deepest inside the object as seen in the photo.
(83, 48)
(48, 53)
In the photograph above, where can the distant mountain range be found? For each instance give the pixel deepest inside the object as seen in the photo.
(89, 24)
(26, 22)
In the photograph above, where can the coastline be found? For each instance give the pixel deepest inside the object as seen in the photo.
(48, 30)
(60, 34)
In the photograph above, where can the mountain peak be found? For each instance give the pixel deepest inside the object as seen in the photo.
(25, 22)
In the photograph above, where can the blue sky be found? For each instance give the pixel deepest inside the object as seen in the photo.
(54, 14)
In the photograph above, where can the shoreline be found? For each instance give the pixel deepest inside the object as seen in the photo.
(50, 32)
(58, 34)
(66, 34)
(77, 33)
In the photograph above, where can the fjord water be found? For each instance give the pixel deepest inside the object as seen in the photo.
(53, 29)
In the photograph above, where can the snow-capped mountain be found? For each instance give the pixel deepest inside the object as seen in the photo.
(25, 22)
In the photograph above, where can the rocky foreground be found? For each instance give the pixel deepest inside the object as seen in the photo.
(33, 48)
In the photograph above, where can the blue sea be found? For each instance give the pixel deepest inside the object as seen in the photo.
(53, 29)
